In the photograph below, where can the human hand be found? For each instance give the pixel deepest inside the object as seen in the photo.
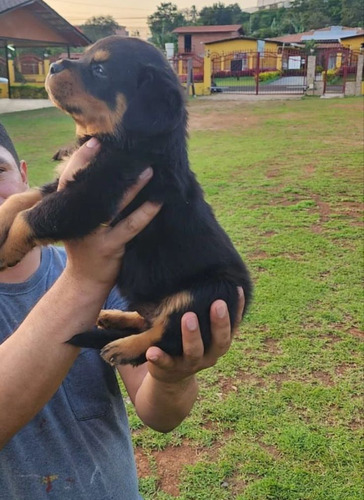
(96, 258)
(168, 369)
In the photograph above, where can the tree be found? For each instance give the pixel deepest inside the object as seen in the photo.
(163, 22)
(352, 13)
(99, 27)
(191, 15)
(219, 14)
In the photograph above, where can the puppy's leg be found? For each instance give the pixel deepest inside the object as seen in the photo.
(71, 213)
(118, 320)
(13, 205)
(132, 349)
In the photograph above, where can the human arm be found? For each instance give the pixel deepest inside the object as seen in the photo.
(35, 358)
(164, 389)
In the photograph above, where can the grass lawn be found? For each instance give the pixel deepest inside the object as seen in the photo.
(279, 417)
(232, 81)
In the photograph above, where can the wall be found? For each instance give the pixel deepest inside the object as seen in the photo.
(199, 39)
(353, 43)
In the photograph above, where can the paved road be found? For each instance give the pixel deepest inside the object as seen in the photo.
(12, 105)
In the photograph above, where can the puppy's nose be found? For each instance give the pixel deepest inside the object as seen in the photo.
(56, 68)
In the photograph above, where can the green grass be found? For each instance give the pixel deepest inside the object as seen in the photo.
(279, 417)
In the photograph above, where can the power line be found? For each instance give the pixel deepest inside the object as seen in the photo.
(90, 4)
(72, 19)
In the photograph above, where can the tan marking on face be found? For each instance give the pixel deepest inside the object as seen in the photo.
(97, 117)
(101, 55)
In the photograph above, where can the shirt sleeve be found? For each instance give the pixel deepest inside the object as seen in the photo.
(116, 301)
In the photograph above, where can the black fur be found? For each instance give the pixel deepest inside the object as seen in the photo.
(183, 248)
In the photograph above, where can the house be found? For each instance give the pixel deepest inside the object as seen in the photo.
(240, 53)
(191, 39)
(330, 44)
(354, 42)
(326, 37)
(29, 24)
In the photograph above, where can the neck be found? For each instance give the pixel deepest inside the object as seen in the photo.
(24, 269)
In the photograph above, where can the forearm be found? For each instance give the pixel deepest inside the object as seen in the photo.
(35, 359)
(163, 406)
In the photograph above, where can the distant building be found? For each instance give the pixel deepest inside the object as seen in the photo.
(326, 36)
(273, 4)
(268, 4)
(191, 39)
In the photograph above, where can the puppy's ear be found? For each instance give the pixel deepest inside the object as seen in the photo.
(157, 105)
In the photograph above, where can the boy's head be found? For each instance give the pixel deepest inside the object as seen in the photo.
(7, 143)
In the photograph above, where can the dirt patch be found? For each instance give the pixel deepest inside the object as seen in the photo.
(272, 450)
(167, 465)
(309, 170)
(272, 172)
(258, 255)
(323, 377)
(279, 379)
(323, 207)
(271, 346)
(215, 120)
(342, 369)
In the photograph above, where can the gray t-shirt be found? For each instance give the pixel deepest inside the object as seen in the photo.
(78, 446)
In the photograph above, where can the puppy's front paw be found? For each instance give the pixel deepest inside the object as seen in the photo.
(18, 241)
(123, 351)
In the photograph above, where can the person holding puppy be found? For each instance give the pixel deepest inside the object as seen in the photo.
(63, 425)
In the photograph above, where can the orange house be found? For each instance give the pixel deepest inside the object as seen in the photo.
(191, 39)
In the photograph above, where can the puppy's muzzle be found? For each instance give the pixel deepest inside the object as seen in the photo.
(56, 67)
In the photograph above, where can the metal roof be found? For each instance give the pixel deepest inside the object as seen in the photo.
(332, 33)
(46, 15)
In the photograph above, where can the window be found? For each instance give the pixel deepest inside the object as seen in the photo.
(188, 43)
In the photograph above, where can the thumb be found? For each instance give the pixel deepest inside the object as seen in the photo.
(79, 160)
(159, 358)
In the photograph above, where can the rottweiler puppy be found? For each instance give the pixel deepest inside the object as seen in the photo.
(124, 92)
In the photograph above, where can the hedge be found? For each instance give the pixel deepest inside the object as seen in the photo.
(28, 92)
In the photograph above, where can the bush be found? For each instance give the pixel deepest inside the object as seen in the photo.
(331, 75)
(236, 74)
(28, 92)
(266, 76)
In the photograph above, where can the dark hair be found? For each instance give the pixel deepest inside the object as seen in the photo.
(7, 143)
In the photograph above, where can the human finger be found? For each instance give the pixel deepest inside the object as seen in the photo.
(239, 314)
(193, 348)
(79, 160)
(131, 193)
(220, 329)
(129, 227)
(159, 358)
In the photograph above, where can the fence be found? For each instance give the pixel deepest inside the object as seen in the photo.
(335, 68)
(259, 73)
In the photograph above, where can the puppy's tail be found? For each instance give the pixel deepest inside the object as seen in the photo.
(99, 338)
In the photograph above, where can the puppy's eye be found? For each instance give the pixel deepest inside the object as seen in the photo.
(98, 70)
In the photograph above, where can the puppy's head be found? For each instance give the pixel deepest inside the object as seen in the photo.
(119, 86)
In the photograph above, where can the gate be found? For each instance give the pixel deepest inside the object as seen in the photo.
(259, 72)
(180, 63)
(335, 67)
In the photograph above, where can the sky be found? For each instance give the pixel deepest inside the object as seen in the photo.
(127, 13)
